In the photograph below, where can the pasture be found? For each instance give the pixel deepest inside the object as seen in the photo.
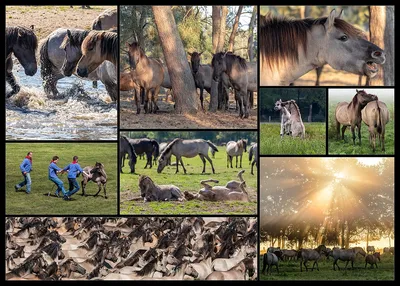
(290, 270)
(37, 202)
(272, 144)
(346, 147)
(190, 182)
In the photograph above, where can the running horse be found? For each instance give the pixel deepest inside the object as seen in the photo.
(290, 48)
(21, 42)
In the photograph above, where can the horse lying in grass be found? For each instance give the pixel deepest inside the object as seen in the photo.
(152, 192)
(97, 175)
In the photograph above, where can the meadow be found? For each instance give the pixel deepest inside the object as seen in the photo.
(313, 144)
(38, 202)
(190, 182)
(346, 147)
(290, 270)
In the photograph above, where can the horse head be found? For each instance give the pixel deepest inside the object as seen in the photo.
(135, 54)
(195, 61)
(362, 97)
(72, 48)
(219, 65)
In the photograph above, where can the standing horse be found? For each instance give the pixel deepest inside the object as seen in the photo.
(376, 115)
(345, 255)
(291, 48)
(146, 146)
(296, 123)
(253, 152)
(106, 20)
(349, 114)
(235, 149)
(146, 73)
(372, 259)
(201, 73)
(285, 118)
(21, 42)
(270, 259)
(310, 254)
(96, 174)
(186, 148)
(124, 148)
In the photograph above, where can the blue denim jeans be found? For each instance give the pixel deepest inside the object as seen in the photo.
(73, 186)
(27, 181)
(59, 184)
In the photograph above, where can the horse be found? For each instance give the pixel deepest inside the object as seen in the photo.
(97, 175)
(106, 20)
(236, 68)
(149, 191)
(97, 47)
(290, 48)
(69, 266)
(376, 115)
(310, 254)
(270, 259)
(200, 270)
(22, 42)
(296, 123)
(370, 249)
(285, 118)
(235, 149)
(349, 114)
(236, 273)
(186, 148)
(126, 147)
(253, 152)
(289, 254)
(146, 146)
(372, 259)
(345, 255)
(147, 73)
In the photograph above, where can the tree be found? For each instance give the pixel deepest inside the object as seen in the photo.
(250, 42)
(381, 27)
(219, 14)
(175, 57)
(234, 29)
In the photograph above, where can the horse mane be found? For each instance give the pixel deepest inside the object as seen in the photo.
(131, 146)
(21, 35)
(108, 44)
(230, 59)
(76, 38)
(354, 101)
(280, 37)
(295, 105)
(169, 147)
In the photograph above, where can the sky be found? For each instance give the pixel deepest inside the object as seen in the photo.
(384, 94)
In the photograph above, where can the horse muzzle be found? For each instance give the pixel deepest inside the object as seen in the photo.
(82, 72)
(31, 70)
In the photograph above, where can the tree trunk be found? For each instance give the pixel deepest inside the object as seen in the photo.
(183, 86)
(342, 242)
(234, 29)
(310, 114)
(216, 27)
(381, 27)
(221, 42)
(250, 49)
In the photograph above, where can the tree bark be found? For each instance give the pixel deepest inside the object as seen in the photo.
(381, 27)
(183, 86)
(250, 42)
(221, 42)
(234, 29)
(216, 27)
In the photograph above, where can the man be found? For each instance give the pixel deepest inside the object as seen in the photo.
(26, 168)
(73, 169)
(53, 171)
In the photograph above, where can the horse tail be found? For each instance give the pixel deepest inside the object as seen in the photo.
(156, 147)
(46, 65)
(379, 119)
(212, 145)
(96, 24)
(250, 154)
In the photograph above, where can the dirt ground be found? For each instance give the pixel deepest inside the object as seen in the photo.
(166, 118)
(49, 18)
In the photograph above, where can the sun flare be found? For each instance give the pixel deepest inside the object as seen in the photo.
(369, 161)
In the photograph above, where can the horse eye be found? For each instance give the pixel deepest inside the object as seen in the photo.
(344, 38)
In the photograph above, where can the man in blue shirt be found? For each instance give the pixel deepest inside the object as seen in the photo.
(73, 169)
(26, 168)
(53, 171)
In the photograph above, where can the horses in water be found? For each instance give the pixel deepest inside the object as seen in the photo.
(22, 42)
(290, 48)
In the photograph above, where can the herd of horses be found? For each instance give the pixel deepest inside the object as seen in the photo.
(367, 108)
(275, 254)
(291, 121)
(134, 248)
(89, 54)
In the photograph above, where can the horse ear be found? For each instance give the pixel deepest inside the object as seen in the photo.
(201, 53)
(189, 53)
(330, 21)
(340, 14)
(33, 27)
(69, 34)
(356, 90)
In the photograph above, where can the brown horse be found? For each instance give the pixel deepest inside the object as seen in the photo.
(372, 259)
(376, 115)
(349, 114)
(147, 73)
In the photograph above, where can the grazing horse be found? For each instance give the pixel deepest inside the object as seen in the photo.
(310, 254)
(186, 148)
(147, 73)
(345, 255)
(235, 68)
(372, 259)
(270, 259)
(291, 48)
(126, 147)
(97, 47)
(235, 149)
(253, 153)
(21, 42)
(106, 20)
(376, 115)
(149, 191)
(146, 146)
(296, 123)
(96, 174)
(285, 118)
(349, 114)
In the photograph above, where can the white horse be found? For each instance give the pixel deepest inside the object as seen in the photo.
(285, 118)
(235, 149)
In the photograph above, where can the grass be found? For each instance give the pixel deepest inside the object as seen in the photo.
(346, 147)
(38, 203)
(189, 182)
(272, 144)
(290, 270)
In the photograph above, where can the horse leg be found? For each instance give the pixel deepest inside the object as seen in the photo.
(343, 130)
(11, 80)
(383, 139)
(184, 170)
(252, 166)
(347, 263)
(231, 159)
(359, 134)
(353, 132)
(305, 265)
(201, 97)
(137, 98)
(241, 156)
(245, 99)
(99, 185)
(83, 184)
(239, 98)
(177, 164)
(227, 160)
(105, 191)
(211, 163)
(146, 102)
(155, 99)
(277, 268)
(204, 163)
(150, 159)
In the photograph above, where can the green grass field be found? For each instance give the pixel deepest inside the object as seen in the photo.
(272, 144)
(290, 270)
(346, 147)
(189, 182)
(38, 203)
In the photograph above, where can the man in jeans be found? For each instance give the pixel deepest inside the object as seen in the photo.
(26, 168)
(73, 169)
(53, 171)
